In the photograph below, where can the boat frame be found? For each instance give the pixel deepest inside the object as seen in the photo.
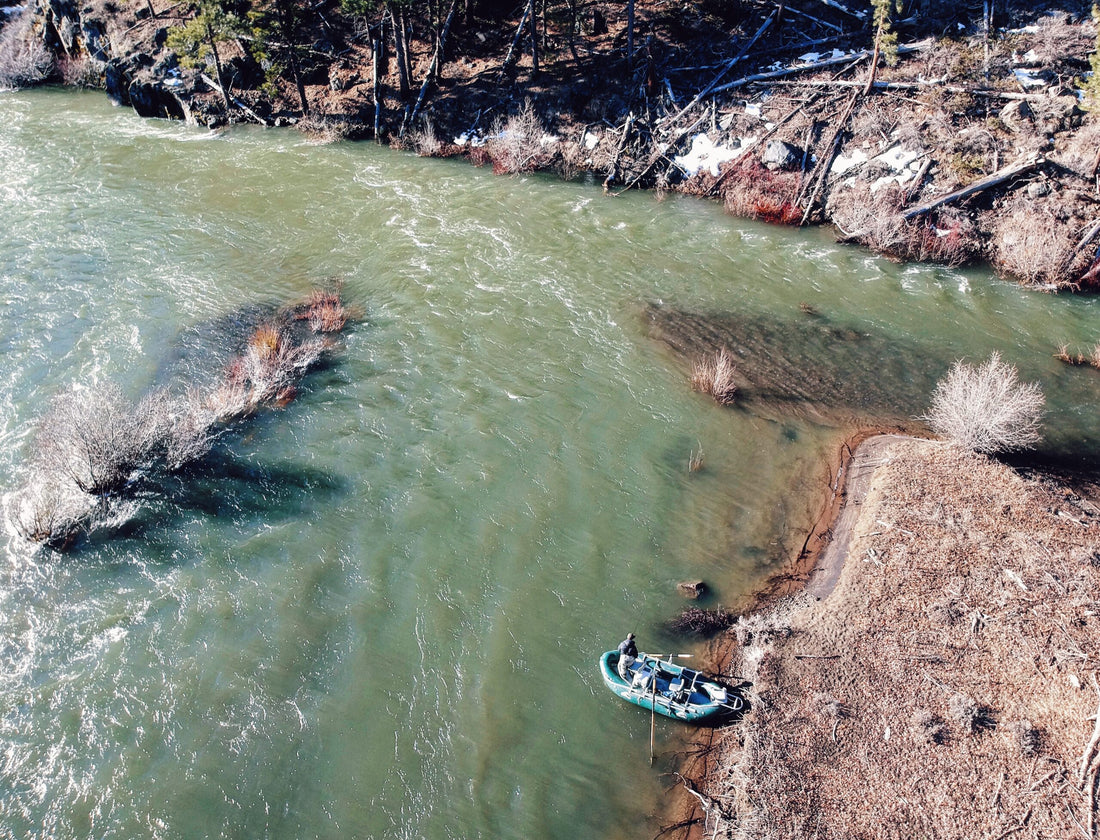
(669, 689)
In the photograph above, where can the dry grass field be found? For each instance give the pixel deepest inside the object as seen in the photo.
(947, 685)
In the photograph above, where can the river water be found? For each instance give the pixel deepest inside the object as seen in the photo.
(377, 611)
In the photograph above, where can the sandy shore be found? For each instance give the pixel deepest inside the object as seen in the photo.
(935, 677)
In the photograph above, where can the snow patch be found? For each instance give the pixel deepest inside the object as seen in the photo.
(1027, 79)
(704, 154)
(843, 163)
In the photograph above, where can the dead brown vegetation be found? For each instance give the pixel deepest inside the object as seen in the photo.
(716, 376)
(944, 689)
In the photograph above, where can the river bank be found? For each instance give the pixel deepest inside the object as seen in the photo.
(975, 146)
(937, 677)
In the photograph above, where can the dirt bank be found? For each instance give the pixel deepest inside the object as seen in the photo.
(941, 681)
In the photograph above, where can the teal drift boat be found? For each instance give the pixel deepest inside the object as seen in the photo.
(669, 689)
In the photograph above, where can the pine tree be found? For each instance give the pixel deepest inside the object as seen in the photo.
(886, 40)
(196, 42)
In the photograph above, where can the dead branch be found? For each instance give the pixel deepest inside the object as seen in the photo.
(1007, 174)
(923, 85)
(714, 187)
(826, 163)
(236, 101)
(815, 65)
(727, 67)
(618, 152)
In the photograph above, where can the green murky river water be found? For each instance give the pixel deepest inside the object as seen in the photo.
(376, 613)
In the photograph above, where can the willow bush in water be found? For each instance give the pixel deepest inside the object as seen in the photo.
(93, 445)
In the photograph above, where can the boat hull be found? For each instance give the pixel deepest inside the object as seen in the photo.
(668, 689)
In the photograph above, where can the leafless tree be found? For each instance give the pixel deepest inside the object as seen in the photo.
(986, 409)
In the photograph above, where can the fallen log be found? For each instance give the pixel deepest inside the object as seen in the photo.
(826, 163)
(814, 65)
(1007, 174)
(236, 101)
(726, 68)
(991, 94)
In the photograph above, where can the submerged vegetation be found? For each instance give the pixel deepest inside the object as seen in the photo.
(95, 451)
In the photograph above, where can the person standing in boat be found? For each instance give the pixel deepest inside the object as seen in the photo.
(628, 653)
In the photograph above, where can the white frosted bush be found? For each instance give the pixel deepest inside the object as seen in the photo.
(986, 409)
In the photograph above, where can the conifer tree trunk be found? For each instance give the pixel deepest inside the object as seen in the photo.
(217, 64)
(630, 34)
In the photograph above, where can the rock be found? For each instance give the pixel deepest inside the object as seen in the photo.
(96, 42)
(692, 588)
(1017, 115)
(1037, 189)
(150, 99)
(1064, 111)
(780, 155)
(116, 82)
(340, 78)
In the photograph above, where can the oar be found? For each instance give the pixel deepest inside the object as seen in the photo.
(653, 696)
(652, 715)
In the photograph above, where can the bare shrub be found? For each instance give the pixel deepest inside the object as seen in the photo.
(927, 728)
(1031, 244)
(93, 443)
(521, 144)
(986, 409)
(1029, 739)
(715, 375)
(95, 438)
(697, 621)
(24, 59)
(324, 129)
(80, 71)
(967, 714)
(870, 216)
(424, 140)
(324, 310)
(1056, 37)
(46, 511)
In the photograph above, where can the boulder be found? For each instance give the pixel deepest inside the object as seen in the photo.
(1038, 189)
(780, 155)
(151, 99)
(116, 82)
(692, 588)
(1017, 115)
(94, 35)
